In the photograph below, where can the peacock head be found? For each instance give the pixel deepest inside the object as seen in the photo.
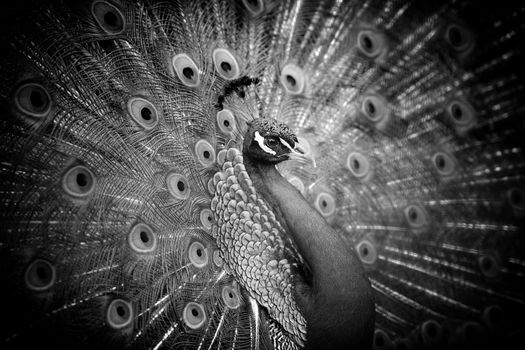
(268, 141)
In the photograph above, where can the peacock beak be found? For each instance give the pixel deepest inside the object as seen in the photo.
(298, 154)
(299, 148)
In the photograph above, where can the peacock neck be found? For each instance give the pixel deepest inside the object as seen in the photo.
(336, 287)
(261, 175)
(310, 232)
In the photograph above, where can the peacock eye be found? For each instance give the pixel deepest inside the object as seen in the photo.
(271, 142)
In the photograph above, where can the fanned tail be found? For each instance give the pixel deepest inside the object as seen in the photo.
(114, 114)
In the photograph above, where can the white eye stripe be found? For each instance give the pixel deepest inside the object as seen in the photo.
(286, 144)
(260, 141)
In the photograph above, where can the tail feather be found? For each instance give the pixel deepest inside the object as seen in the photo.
(115, 116)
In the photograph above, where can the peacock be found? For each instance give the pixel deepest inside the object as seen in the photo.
(262, 174)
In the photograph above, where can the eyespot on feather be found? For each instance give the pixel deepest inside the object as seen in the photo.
(489, 265)
(206, 218)
(459, 37)
(325, 204)
(198, 254)
(359, 165)
(461, 115)
(142, 239)
(194, 315)
(366, 251)
(431, 333)
(293, 79)
(374, 108)
(143, 112)
(78, 182)
(443, 164)
(371, 43)
(119, 314)
(231, 297)
(226, 121)
(254, 7)
(226, 64)
(381, 340)
(186, 70)
(460, 112)
(205, 153)
(178, 186)
(40, 275)
(108, 17)
(416, 217)
(32, 99)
